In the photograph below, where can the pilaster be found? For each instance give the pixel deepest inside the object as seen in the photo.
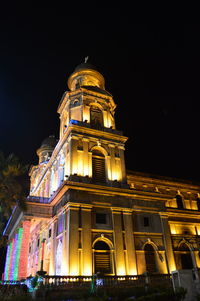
(123, 167)
(65, 258)
(130, 244)
(73, 240)
(118, 240)
(23, 257)
(52, 248)
(86, 241)
(73, 144)
(168, 243)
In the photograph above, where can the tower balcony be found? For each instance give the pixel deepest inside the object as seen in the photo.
(95, 127)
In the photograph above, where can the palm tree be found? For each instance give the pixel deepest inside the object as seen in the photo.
(12, 185)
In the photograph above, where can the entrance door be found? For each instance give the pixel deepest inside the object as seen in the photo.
(186, 261)
(185, 257)
(150, 259)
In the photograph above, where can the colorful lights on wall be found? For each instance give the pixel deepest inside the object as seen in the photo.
(15, 255)
(7, 264)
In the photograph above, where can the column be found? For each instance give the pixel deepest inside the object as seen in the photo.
(52, 248)
(65, 263)
(86, 241)
(108, 168)
(86, 113)
(85, 157)
(73, 155)
(23, 257)
(118, 242)
(17, 253)
(8, 260)
(130, 244)
(112, 161)
(12, 259)
(168, 243)
(123, 167)
(105, 118)
(73, 240)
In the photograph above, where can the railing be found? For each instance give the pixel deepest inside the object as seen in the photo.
(96, 127)
(109, 281)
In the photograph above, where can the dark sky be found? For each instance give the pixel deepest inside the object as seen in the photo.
(152, 70)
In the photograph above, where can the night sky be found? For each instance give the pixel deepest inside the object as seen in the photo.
(152, 71)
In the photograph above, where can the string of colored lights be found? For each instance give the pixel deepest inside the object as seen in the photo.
(14, 257)
(7, 264)
(18, 248)
(11, 260)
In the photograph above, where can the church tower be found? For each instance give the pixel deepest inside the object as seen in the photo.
(95, 149)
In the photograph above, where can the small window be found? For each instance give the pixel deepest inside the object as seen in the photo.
(146, 221)
(49, 233)
(101, 218)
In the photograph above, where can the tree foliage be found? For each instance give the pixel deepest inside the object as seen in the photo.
(13, 187)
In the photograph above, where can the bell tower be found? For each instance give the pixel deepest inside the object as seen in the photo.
(95, 149)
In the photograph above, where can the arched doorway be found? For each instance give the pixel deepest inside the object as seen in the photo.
(150, 259)
(102, 258)
(98, 166)
(185, 257)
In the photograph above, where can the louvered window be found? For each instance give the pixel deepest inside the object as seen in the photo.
(102, 258)
(98, 167)
(96, 117)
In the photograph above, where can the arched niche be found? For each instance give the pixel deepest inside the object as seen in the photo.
(102, 257)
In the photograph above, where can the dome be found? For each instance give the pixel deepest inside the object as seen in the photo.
(85, 66)
(85, 74)
(49, 142)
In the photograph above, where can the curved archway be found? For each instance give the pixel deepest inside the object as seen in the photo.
(102, 257)
(150, 259)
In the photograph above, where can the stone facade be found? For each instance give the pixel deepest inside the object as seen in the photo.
(86, 213)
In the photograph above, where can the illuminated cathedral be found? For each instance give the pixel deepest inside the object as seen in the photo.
(86, 213)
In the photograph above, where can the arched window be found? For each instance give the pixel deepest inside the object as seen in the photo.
(98, 167)
(96, 117)
(179, 202)
(102, 258)
(185, 257)
(150, 259)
